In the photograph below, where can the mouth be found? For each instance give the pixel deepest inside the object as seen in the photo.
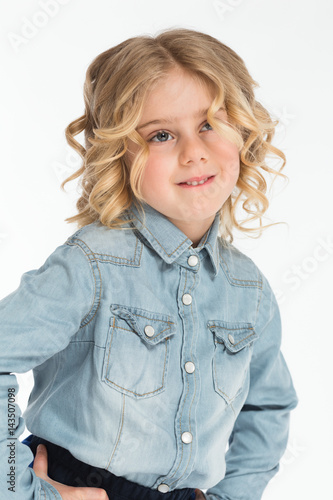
(197, 181)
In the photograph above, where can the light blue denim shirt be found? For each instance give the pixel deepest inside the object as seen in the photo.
(149, 357)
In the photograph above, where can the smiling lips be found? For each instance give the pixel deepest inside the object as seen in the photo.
(196, 181)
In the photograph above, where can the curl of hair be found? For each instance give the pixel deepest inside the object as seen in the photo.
(116, 85)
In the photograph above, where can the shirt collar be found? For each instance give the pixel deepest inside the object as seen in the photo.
(168, 241)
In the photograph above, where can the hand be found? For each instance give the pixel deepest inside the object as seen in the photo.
(199, 495)
(66, 492)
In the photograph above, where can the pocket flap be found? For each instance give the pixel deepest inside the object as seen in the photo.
(235, 336)
(150, 326)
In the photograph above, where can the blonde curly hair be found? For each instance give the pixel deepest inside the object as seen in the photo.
(117, 82)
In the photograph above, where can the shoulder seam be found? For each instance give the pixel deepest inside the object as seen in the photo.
(237, 281)
(260, 294)
(73, 241)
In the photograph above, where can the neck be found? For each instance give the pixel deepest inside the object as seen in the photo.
(194, 231)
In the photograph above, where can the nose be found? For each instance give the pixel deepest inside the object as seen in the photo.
(192, 151)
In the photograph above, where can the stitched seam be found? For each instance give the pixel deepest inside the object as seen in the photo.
(188, 388)
(130, 261)
(204, 241)
(242, 285)
(195, 390)
(217, 384)
(209, 245)
(216, 378)
(112, 327)
(240, 282)
(215, 257)
(165, 360)
(260, 297)
(168, 254)
(78, 341)
(180, 420)
(100, 289)
(251, 335)
(145, 393)
(93, 302)
(152, 319)
(234, 345)
(44, 491)
(231, 329)
(42, 487)
(233, 409)
(117, 257)
(99, 298)
(123, 388)
(189, 459)
(235, 279)
(119, 433)
(151, 338)
(155, 336)
(136, 247)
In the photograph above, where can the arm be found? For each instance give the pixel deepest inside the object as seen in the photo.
(260, 434)
(37, 321)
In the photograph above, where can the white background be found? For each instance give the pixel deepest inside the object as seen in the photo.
(287, 47)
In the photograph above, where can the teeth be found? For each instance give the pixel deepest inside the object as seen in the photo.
(195, 183)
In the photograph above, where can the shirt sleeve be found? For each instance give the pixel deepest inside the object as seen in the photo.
(259, 437)
(37, 321)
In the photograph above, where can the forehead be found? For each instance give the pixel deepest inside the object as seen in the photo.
(178, 90)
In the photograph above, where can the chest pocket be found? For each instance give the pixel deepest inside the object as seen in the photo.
(232, 356)
(137, 351)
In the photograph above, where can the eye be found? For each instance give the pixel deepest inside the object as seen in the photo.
(207, 125)
(161, 136)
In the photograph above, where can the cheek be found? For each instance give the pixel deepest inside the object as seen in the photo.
(158, 168)
(231, 150)
(151, 178)
(230, 162)
(234, 170)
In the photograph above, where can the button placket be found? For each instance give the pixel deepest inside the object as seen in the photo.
(189, 367)
(192, 260)
(187, 299)
(187, 437)
(163, 488)
(185, 415)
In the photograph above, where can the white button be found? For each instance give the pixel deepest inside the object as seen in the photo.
(187, 299)
(187, 437)
(231, 339)
(149, 331)
(163, 488)
(192, 261)
(189, 367)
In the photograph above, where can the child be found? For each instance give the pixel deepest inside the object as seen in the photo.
(154, 342)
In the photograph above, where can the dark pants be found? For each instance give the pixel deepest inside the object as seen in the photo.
(66, 469)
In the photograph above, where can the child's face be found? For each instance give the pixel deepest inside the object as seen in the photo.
(184, 149)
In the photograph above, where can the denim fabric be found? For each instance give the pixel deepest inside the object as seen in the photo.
(149, 358)
(66, 469)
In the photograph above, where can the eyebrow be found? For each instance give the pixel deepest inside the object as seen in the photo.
(170, 119)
